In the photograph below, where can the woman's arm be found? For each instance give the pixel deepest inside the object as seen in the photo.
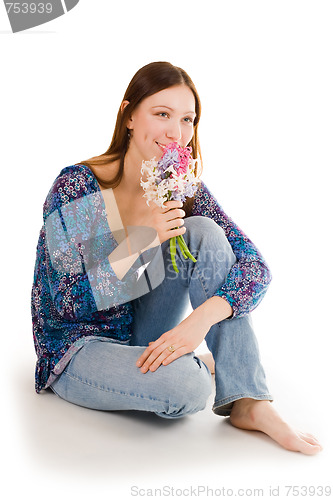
(186, 336)
(214, 310)
(242, 291)
(248, 279)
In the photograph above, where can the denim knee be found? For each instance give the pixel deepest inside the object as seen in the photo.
(200, 223)
(207, 239)
(207, 230)
(190, 385)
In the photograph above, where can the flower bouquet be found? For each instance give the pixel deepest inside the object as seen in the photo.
(171, 178)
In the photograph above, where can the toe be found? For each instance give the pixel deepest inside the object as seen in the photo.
(309, 438)
(308, 445)
(296, 441)
(309, 449)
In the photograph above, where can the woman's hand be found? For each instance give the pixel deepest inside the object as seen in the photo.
(185, 337)
(181, 340)
(163, 220)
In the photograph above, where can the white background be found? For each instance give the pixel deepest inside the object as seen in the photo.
(263, 70)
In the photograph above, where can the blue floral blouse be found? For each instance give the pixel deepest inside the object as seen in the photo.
(69, 288)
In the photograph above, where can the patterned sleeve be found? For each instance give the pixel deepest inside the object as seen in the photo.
(78, 242)
(249, 277)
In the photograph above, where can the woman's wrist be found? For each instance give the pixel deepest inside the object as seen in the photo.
(214, 310)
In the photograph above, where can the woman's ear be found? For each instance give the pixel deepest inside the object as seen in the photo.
(122, 107)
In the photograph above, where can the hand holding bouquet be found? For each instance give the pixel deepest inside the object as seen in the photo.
(171, 178)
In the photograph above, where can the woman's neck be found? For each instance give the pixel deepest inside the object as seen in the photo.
(132, 174)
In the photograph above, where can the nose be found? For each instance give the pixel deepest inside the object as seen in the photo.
(174, 131)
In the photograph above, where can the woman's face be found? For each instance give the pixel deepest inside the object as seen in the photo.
(160, 119)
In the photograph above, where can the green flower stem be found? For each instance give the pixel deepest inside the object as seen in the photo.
(183, 245)
(184, 249)
(173, 253)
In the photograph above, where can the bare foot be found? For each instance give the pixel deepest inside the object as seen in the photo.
(251, 414)
(207, 358)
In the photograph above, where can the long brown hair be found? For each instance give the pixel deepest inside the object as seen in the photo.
(149, 80)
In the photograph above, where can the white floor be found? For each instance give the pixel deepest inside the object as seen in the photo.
(56, 450)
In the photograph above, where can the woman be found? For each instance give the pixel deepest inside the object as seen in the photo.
(110, 332)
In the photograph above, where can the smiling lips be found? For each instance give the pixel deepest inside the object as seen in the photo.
(162, 146)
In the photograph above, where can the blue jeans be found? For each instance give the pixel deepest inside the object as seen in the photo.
(103, 374)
